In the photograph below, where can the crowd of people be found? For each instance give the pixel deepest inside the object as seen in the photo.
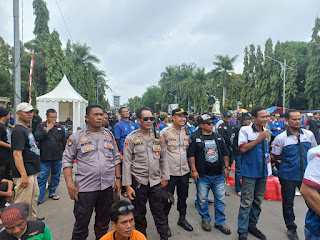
(147, 160)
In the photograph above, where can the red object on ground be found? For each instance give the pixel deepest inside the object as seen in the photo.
(230, 181)
(233, 167)
(273, 189)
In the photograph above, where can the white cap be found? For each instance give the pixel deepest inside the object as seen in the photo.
(310, 114)
(25, 107)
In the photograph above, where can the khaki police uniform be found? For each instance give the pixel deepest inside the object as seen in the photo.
(96, 158)
(143, 168)
(176, 143)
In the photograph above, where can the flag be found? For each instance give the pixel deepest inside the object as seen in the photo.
(30, 77)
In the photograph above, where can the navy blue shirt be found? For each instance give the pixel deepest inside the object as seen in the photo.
(275, 127)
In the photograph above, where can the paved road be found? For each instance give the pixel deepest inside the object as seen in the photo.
(60, 219)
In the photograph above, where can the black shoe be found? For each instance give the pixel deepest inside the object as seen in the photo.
(184, 223)
(242, 238)
(292, 234)
(41, 219)
(169, 232)
(257, 233)
(39, 203)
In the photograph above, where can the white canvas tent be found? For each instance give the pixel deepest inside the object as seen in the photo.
(66, 101)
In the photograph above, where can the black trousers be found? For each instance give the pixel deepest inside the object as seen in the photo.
(288, 191)
(3, 188)
(5, 171)
(182, 183)
(101, 202)
(154, 195)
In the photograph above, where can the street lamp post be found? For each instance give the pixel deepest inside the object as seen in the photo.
(284, 67)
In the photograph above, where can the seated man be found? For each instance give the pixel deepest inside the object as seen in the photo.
(14, 219)
(122, 221)
(6, 194)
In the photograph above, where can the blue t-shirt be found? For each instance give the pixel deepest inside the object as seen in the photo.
(276, 127)
(122, 129)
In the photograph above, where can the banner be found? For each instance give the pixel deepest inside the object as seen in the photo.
(30, 77)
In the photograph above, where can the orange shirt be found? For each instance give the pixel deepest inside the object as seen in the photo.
(136, 235)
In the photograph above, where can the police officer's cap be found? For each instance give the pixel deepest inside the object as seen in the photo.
(179, 111)
(227, 114)
(246, 116)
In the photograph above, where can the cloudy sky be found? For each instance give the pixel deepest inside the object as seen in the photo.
(137, 39)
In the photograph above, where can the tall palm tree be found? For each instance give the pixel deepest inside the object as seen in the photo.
(223, 67)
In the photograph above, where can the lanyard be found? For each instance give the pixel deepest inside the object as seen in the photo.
(263, 158)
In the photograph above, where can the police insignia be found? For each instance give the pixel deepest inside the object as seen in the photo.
(70, 142)
(186, 136)
(87, 132)
(172, 135)
(109, 145)
(157, 148)
(33, 233)
(157, 153)
(138, 140)
(88, 148)
(156, 139)
(126, 143)
(107, 136)
(172, 148)
(84, 139)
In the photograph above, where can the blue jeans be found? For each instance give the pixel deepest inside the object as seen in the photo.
(237, 174)
(250, 207)
(46, 166)
(217, 185)
(309, 235)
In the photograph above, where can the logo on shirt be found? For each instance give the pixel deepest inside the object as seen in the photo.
(137, 140)
(109, 145)
(157, 148)
(70, 142)
(88, 148)
(107, 136)
(126, 143)
(211, 151)
(84, 139)
(132, 127)
(33, 233)
(33, 145)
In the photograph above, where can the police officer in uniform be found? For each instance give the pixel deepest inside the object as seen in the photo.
(176, 140)
(146, 173)
(98, 165)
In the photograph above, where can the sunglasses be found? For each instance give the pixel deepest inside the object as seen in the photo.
(209, 123)
(148, 118)
(126, 208)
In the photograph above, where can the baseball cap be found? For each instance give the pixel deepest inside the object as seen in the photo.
(227, 114)
(163, 115)
(205, 117)
(191, 117)
(14, 212)
(24, 107)
(310, 114)
(246, 116)
(179, 111)
(3, 112)
(277, 115)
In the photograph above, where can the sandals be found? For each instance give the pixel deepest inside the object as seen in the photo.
(54, 197)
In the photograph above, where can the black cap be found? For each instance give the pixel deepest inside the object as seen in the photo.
(227, 114)
(205, 117)
(3, 112)
(191, 117)
(246, 116)
(179, 111)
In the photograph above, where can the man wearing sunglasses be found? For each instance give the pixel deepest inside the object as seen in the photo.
(176, 140)
(209, 161)
(145, 173)
(122, 221)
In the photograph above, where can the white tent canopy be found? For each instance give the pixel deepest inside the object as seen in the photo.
(66, 101)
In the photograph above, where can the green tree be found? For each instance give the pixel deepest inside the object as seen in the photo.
(152, 98)
(223, 67)
(54, 61)
(41, 27)
(134, 104)
(312, 88)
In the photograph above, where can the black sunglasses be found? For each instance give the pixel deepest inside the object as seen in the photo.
(126, 208)
(209, 123)
(148, 118)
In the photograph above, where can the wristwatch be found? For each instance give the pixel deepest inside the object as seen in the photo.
(118, 177)
(227, 167)
(193, 170)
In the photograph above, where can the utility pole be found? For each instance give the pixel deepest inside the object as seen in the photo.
(17, 70)
(284, 67)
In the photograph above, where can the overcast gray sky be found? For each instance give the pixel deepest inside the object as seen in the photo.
(137, 39)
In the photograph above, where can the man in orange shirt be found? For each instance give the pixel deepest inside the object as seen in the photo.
(122, 221)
